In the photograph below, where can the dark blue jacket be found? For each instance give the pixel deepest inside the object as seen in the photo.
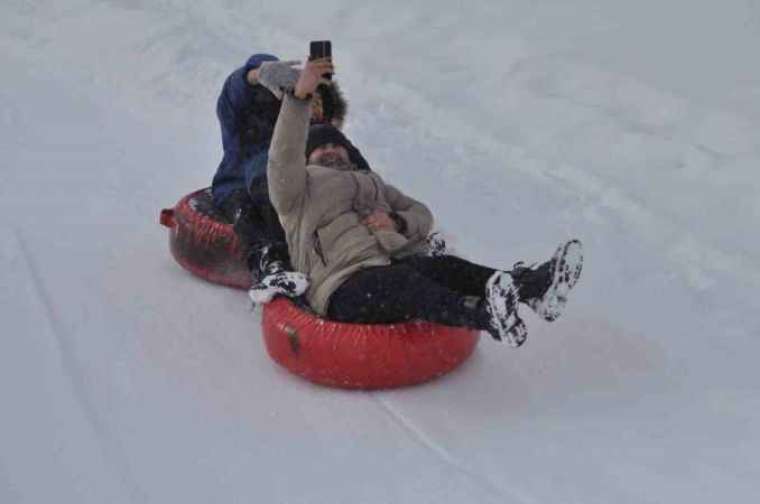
(247, 115)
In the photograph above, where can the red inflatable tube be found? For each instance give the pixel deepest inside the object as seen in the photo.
(203, 243)
(355, 356)
(360, 356)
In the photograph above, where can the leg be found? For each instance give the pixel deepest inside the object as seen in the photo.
(237, 208)
(251, 227)
(452, 272)
(268, 256)
(398, 293)
(261, 233)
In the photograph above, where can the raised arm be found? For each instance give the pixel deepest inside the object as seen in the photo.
(286, 168)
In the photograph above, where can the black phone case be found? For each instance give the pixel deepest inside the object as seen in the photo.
(321, 49)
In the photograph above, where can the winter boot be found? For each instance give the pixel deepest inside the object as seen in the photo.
(545, 288)
(501, 300)
(272, 279)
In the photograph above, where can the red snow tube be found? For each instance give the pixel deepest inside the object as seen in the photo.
(355, 356)
(361, 356)
(203, 242)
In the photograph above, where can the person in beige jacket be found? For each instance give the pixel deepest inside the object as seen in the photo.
(358, 238)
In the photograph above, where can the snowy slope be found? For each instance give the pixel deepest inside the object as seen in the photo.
(632, 125)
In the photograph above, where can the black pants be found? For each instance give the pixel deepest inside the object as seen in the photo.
(445, 289)
(257, 226)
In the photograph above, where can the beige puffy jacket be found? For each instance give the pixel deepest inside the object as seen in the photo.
(321, 210)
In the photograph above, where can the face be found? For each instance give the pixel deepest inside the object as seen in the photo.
(330, 155)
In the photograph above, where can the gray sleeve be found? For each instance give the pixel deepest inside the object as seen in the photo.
(286, 169)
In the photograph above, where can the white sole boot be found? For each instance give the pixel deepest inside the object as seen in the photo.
(284, 283)
(567, 265)
(501, 304)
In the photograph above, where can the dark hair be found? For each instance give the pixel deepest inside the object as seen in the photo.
(334, 105)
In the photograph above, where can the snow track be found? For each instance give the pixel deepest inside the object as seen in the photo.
(72, 369)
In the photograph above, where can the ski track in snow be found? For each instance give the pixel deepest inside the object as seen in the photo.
(428, 442)
(108, 444)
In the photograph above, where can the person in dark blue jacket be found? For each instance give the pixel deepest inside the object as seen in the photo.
(247, 113)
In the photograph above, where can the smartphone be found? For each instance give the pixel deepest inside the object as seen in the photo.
(320, 49)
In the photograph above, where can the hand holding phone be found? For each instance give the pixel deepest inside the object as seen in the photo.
(310, 77)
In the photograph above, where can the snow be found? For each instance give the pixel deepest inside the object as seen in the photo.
(631, 125)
